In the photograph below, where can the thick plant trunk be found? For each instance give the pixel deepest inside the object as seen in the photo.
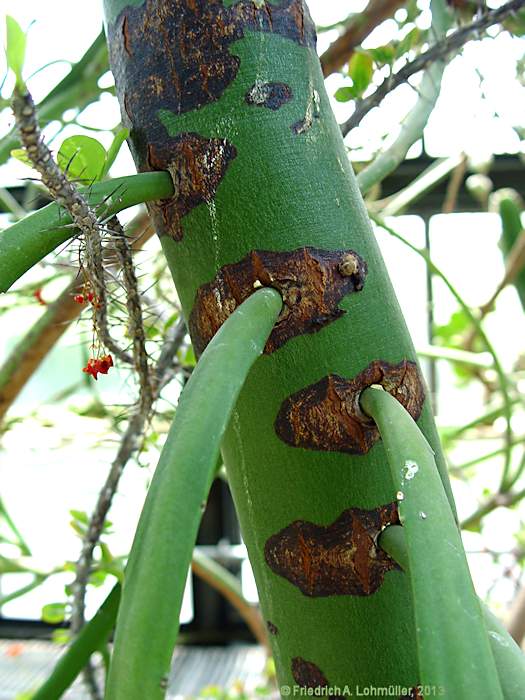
(229, 98)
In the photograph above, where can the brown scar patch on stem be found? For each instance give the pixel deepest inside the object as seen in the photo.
(338, 559)
(272, 95)
(311, 282)
(272, 629)
(307, 675)
(327, 415)
(197, 166)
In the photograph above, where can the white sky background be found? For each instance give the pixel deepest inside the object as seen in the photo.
(63, 29)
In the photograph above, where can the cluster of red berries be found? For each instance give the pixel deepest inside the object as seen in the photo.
(98, 366)
(82, 298)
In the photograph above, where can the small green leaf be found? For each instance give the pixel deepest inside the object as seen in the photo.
(15, 48)
(408, 42)
(412, 10)
(82, 157)
(189, 358)
(97, 578)
(80, 516)
(21, 155)
(361, 70)
(451, 331)
(344, 94)
(152, 332)
(515, 23)
(114, 149)
(54, 613)
(171, 320)
(61, 636)
(383, 55)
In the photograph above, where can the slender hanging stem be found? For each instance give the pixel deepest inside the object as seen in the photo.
(452, 642)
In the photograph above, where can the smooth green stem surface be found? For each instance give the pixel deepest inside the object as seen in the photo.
(25, 243)
(93, 635)
(452, 643)
(156, 574)
(510, 660)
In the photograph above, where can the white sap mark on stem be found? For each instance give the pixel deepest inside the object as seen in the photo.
(260, 91)
(500, 639)
(218, 298)
(400, 496)
(422, 515)
(410, 469)
(212, 210)
(313, 111)
(257, 284)
(338, 201)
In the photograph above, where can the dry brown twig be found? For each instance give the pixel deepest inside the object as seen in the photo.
(92, 263)
(360, 26)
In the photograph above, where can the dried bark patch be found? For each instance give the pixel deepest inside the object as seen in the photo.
(197, 165)
(270, 95)
(327, 416)
(307, 674)
(311, 281)
(338, 559)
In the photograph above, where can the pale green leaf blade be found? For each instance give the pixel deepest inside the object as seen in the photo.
(82, 158)
(15, 48)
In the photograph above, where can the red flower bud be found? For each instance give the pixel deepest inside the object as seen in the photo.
(91, 368)
(38, 296)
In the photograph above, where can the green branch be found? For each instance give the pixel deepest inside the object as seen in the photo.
(26, 242)
(156, 574)
(452, 643)
(509, 659)
(93, 635)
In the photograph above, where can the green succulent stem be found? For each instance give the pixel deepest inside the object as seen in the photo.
(29, 240)
(452, 642)
(509, 658)
(93, 636)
